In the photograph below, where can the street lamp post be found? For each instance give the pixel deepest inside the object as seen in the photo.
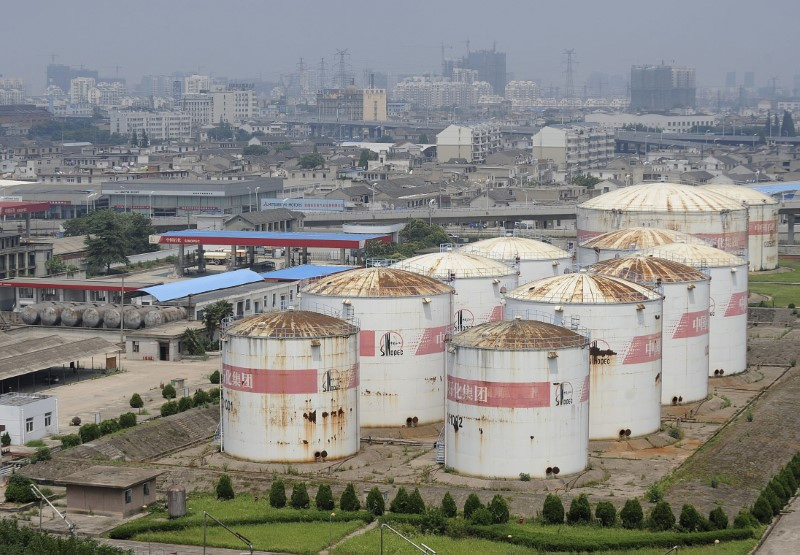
(150, 204)
(258, 206)
(249, 199)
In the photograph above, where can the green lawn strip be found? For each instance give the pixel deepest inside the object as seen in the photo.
(291, 537)
(369, 543)
(592, 538)
(781, 295)
(241, 511)
(793, 276)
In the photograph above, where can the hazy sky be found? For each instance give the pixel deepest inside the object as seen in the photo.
(248, 38)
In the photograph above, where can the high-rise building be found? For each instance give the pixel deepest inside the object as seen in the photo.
(352, 104)
(60, 75)
(490, 65)
(662, 88)
(79, 89)
(730, 80)
(749, 79)
(195, 84)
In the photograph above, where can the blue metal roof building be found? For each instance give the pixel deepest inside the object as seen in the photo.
(306, 271)
(196, 286)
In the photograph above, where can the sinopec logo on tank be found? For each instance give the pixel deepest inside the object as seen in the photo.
(464, 320)
(391, 344)
(563, 393)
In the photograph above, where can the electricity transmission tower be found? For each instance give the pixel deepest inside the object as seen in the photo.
(569, 85)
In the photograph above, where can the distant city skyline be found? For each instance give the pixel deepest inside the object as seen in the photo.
(258, 40)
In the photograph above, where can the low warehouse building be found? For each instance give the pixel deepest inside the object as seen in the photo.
(110, 490)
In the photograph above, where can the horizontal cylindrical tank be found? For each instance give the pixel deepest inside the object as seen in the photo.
(72, 315)
(405, 318)
(479, 283)
(624, 320)
(290, 388)
(762, 231)
(624, 242)
(50, 313)
(727, 334)
(94, 315)
(719, 220)
(164, 315)
(30, 314)
(517, 400)
(534, 259)
(133, 316)
(686, 291)
(112, 316)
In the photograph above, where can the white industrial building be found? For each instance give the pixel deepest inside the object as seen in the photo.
(160, 126)
(659, 122)
(28, 416)
(468, 142)
(574, 147)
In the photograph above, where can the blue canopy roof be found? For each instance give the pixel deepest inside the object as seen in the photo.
(195, 286)
(306, 271)
(776, 188)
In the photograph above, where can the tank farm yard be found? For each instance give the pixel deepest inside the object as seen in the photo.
(509, 366)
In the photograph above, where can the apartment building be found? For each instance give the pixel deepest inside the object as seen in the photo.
(195, 84)
(233, 106)
(352, 104)
(575, 147)
(79, 89)
(22, 259)
(159, 126)
(522, 94)
(472, 143)
(199, 107)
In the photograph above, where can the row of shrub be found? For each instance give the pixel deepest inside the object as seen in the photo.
(199, 399)
(776, 494)
(91, 432)
(27, 540)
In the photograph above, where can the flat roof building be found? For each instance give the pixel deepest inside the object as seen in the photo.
(111, 490)
(28, 416)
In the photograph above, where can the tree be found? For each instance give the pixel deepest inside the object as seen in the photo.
(109, 426)
(55, 265)
(70, 440)
(5, 439)
(277, 494)
(201, 398)
(224, 488)
(745, 519)
(41, 454)
(324, 499)
(89, 432)
(553, 510)
(449, 506)
(111, 237)
(498, 506)
(255, 150)
(169, 408)
(365, 156)
(375, 503)
(416, 506)
(105, 250)
(185, 403)
(400, 502)
(423, 139)
(127, 420)
(776, 125)
(18, 489)
(690, 520)
(214, 377)
(242, 135)
(299, 499)
(144, 141)
(588, 181)
(222, 132)
(631, 514)
(433, 521)
(579, 510)
(134, 139)
(349, 500)
(168, 391)
(661, 517)
(311, 161)
(136, 402)
(472, 504)
(762, 509)
(606, 513)
(215, 313)
(193, 342)
(717, 519)
(787, 127)
(481, 516)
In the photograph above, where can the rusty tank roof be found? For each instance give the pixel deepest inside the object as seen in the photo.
(441, 265)
(696, 256)
(377, 282)
(747, 195)
(638, 238)
(509, 248)
(583, 288)
(648, 270)
(662, 197)
(518, 334)
(295, 324)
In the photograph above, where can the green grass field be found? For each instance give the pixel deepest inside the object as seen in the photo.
(290, 537)
(782, 287)
(369, 543)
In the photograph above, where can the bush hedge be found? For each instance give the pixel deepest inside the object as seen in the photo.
(349, 500)
(606, 513)
(375, 503)
(299, 499)
(449, 507)
(472, 503)
(631, 515)
(324, 499)
(553, 510)
(580, 512)
(277, 494)
(400, 502)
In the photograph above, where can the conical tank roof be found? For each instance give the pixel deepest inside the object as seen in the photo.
(647, 269)
(509, 248)
(662, 197)
(377, 282)
(291, 324)
(518, 334)
(747, 195)
(583, 288)
(697, 256)
(638, 238)
(441, 265)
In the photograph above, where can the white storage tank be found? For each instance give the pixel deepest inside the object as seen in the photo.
(517, 400)
(624, 242)
(624, 320)
(534, 259)
(762, 232)
(719, 220)
(404, 318)
(290, 388)
(727, 339)
(479, 283)
(684, 351)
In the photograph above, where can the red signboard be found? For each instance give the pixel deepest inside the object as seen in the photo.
(11, 208)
